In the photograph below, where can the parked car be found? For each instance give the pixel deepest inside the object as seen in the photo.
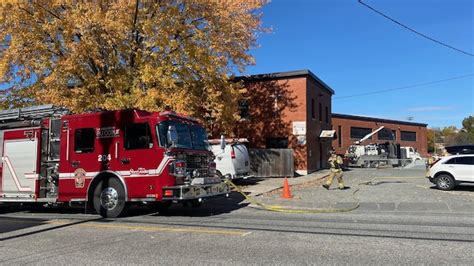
(232, 158)
(410, 153)
(448, 172)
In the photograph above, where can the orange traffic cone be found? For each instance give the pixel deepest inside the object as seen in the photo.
(286, 190)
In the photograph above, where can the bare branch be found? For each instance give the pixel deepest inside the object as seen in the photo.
(47, 10)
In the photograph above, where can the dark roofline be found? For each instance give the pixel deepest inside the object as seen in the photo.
(365, 118)
(283, 75)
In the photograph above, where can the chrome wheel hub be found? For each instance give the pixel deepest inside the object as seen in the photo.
(109, 198)
(444, 182)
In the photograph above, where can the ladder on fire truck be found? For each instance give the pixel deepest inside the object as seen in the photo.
(31, 113)
(49, 149)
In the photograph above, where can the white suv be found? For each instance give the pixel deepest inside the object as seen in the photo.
(449, 171)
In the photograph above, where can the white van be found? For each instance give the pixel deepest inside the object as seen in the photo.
(232, 158)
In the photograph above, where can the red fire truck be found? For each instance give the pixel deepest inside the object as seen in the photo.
(107, 160)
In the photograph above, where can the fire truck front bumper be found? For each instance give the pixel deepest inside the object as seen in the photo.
(190, 192)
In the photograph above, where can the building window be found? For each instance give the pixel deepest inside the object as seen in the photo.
(386, 134)
(313, 115)
(408, 135)
(244, 110)
(137, 136)
(339, 136)
(277, 143)
(327, 115)
(320, 113)
(84, 139)
(359, 132)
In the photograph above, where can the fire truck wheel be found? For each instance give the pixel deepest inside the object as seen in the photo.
(109, 198)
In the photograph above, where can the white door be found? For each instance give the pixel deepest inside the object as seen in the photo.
(241, 160)
(465, 168)
(223, 160)
(19, 167)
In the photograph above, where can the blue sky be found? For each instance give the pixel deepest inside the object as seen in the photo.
(355, 50)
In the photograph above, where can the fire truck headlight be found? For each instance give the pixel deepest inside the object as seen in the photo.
(196, 173)
(179, 168)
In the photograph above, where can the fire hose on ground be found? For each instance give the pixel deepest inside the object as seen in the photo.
(276, 208)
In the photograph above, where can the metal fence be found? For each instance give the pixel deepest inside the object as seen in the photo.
(271, 162)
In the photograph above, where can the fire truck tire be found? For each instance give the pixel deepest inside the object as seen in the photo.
(109, 198)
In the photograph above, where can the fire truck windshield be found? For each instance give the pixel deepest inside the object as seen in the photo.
(189, 136)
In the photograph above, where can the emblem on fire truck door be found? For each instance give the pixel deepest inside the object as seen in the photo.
(79, 178)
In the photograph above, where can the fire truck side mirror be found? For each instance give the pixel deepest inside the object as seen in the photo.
(172, 135)
(222, 142)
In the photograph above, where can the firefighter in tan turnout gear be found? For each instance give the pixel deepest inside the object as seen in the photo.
(335, 162)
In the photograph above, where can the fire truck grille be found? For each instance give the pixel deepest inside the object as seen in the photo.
(198, 162)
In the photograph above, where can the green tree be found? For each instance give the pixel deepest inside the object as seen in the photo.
(462, 136)
(468, 123)
(466, 135)
(431, 140)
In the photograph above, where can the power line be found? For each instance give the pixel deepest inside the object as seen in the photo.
(404, 87)
(415, 31)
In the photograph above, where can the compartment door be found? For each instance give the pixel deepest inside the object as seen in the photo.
(19, 160)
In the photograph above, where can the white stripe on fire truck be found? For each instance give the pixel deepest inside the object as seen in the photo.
(158, 171)
(163, 164)
(122, 173)
(31, 176)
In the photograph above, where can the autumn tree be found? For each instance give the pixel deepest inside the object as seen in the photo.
(466, 134)
(128, 54)
(430, 135)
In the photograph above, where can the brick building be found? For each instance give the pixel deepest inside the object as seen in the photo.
(288, 110)
(350, 128)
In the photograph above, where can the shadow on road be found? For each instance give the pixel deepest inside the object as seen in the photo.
(460, 188)
(14, 222)
(248, 182)
(210, 207)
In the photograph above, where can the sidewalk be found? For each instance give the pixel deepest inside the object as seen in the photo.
(395, 190)
(272, 184)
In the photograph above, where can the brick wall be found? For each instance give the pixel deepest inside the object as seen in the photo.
(317, 150)
(420, 144)
(273, 106)
(277, 100)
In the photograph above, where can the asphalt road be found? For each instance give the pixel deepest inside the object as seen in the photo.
(231, 232)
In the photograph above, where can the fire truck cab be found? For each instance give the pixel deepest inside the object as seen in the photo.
(107, 160)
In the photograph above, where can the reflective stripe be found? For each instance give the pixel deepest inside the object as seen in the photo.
(149, 172)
